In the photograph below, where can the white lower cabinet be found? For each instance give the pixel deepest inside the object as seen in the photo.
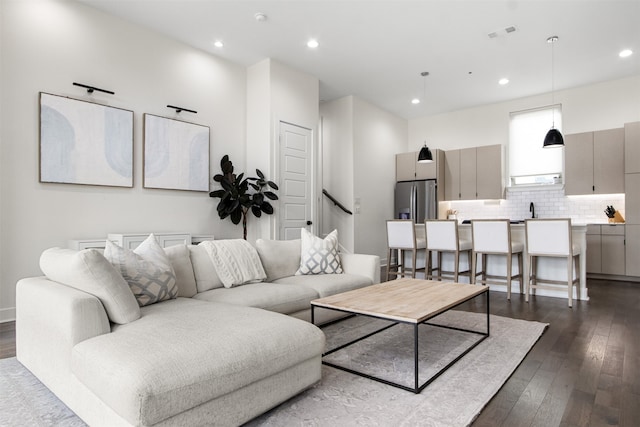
(633, 250)
(606, 251)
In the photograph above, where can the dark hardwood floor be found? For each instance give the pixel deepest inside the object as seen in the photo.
(584, 370)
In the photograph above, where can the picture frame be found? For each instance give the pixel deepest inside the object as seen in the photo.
(176, 154)
(83, 142)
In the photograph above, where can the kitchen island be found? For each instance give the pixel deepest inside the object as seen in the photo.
(548, 268)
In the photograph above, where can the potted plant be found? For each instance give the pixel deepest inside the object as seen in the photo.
(240, 195)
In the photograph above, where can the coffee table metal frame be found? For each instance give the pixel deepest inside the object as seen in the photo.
(417, 386)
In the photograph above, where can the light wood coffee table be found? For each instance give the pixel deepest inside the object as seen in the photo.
(409, 301)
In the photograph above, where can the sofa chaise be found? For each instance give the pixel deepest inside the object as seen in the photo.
(213, 355)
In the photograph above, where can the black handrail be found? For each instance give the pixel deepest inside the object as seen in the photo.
(335, 202)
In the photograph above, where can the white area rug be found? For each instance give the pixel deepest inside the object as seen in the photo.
(453, 399)
(343, 399)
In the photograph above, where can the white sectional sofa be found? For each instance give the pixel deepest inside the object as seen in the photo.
(211, 356)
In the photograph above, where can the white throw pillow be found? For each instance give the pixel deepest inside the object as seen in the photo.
(89, 271)
(146, 269)
(180, 259)
(319, 256)
(235, 261)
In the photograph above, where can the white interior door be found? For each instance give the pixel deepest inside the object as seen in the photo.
(296, 172)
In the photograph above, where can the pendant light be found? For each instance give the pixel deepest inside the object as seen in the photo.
(553, 138)
(425, 155)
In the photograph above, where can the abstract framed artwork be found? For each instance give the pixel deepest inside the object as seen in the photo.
(82, 142)
(176, 154)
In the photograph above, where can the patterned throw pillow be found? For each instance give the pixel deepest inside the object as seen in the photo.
(146, 269)
(319, 256)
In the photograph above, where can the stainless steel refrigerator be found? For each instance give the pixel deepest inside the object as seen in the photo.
(416, 200)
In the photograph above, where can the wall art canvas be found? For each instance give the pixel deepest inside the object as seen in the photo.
(176, 154)
(83, 142)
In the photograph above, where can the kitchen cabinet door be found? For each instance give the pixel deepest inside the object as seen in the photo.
(578, 163)
(452, 175)
(594, 251)
(489, 172)
(427, 170)
(468, 189)
(632, 249)
(613, 249)
(632, 147)
(608, 161)
(405, 167)
(632, 198)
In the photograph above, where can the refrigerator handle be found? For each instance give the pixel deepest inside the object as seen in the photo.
(413, 207)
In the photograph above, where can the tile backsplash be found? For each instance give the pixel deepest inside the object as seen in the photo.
(548, 204)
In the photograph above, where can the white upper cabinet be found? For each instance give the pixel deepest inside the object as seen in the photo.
(594, 162)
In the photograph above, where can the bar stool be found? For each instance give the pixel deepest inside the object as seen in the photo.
(552, 238)
(442, 236)
(493, 237)
(401, 237)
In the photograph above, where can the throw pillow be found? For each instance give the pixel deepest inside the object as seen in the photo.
(180, 260)
(235, 261)
(280, 258)
(319, 256)
(90, 272)
(146, 269)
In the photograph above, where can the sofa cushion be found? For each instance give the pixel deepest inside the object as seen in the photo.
(270, 296)
(89, 271)
(182, 353)
(146, 269)
(203, 269)
(181, 262)
(280, 258)
(235, 261)
(326, 285)
(319, 256)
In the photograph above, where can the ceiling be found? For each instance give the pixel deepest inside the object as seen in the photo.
(377, 50)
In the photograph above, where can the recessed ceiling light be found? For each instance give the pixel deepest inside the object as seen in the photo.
(503, 81)
(625, 53)
(218, 43)
(313, 43)
(415, 101)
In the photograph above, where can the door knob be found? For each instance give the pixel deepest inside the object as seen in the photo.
(309, 222)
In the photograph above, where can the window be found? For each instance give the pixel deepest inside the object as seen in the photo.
(529, 163)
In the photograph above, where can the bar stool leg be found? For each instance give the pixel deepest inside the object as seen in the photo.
(520, 272)
(509, 276)
(570, 279)
(473, 267)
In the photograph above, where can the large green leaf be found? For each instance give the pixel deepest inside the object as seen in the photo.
(271, 195)
(236, 216)
(256, 211)
(267, 208)
(272, 185)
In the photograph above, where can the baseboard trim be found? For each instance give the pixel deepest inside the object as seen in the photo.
(7, 314)
(613, 277)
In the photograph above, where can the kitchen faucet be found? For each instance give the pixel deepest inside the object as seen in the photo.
(532, 209)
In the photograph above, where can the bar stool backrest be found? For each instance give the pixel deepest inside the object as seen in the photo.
(491, 235)
(442, 235)
(401, 234)
(548, 237)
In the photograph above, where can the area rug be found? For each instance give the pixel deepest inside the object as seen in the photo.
(340, 398)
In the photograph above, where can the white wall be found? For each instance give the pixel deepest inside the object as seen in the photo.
(601, 106)
(337, 172)
(276, 93)
(360, 141)
(47, 45)
(378, 137)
